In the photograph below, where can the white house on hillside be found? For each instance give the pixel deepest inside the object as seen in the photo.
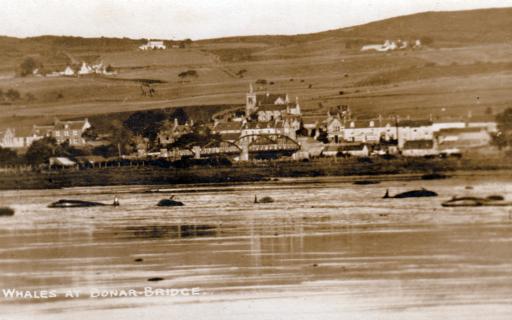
(152, 45)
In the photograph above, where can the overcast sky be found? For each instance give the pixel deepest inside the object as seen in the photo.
(199, 19)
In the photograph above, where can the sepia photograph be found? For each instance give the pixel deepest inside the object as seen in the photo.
(256, 159)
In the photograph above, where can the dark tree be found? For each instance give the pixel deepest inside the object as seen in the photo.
(27, 66)
(180, 114)
(121, 139)
(41, 150)
(9, 157)
(146, 123)
(67, 150)
(200, 136)
(90, 134)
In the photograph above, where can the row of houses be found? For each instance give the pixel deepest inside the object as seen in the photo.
(61, 131)
(274, 115)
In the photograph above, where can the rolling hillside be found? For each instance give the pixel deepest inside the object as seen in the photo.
(465, 64)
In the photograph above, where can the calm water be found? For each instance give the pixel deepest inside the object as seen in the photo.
(324, 249)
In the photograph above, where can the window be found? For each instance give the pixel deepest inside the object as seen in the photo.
(57, 133)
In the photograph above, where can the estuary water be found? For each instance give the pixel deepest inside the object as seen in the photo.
(325, 249)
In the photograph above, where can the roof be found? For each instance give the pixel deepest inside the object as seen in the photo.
(61, 161)
(362, 124)
(414, 123)
(228, 126)
(263, 125)
(482, 118)
(71, 125)
(91, 159)
(353, 147)
(459, 130)
(230, 136)
(272, 107)
(313, 119)
(23, 132)
(269, 98)
(331, 148)
(418, 144)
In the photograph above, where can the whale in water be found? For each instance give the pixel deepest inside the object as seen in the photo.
(411, 194)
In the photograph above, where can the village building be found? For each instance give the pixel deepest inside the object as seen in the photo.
(369, 131)
(462, 138)
(255, 100)
(331, 151)
(153, 45)
(68, 72)
(85, 69)
(447, 124)
(70, 131)
(17, 138)
(419, 148)
(335, 129)
(171, 131)
(251, 130)
(228, 130)
(409, 130)
(387, 46)
(355, 149)
(314, 125)
(61, 131)
(484, 121)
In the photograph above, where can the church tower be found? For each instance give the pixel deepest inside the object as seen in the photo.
(250, 101)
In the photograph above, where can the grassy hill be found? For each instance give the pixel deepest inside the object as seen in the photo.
(464, 65)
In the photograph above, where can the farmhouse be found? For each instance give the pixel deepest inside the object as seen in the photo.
(70, 131)
(153, 45)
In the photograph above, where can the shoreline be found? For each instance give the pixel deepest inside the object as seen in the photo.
(349, 169)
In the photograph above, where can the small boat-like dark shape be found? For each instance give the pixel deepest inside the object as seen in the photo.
(263, 200)
(366, 182)
(75, 204)
(170, 203)
(411, 194)
(491, 201)
(6, 212)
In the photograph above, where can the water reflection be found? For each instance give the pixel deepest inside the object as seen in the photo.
(339, 237)
(171, 231)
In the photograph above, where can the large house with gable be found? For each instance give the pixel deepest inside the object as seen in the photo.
(61, 131)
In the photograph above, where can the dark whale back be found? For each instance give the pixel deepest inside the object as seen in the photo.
(416, 194)
(65, 203)
(169, 203)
